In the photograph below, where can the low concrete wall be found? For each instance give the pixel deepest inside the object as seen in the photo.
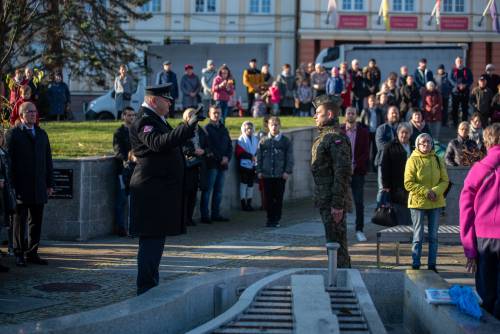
(90, 213)
(422, 317)
(457, 176)
(170, 308)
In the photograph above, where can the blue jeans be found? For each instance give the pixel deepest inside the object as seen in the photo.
(120, 201)
(223, 110)
(357, 186)
(215, 185)
(379, 185)
(417, 217)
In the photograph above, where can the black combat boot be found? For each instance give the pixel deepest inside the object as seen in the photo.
(249, 204)
(243, 205)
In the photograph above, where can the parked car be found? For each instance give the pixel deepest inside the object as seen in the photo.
(103, 108)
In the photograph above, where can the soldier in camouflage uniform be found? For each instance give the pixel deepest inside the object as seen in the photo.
(331, 166)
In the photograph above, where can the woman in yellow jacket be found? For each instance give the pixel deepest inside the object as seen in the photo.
(426, 180)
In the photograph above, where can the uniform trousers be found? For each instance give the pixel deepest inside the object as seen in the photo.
(488, 274)
(336, 232)
(148, 262)
(274, 188)
(35, 212)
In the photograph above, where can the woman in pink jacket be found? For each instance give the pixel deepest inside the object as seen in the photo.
(222, 89)
(480, 221)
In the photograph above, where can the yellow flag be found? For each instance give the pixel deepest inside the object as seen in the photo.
(385, 14)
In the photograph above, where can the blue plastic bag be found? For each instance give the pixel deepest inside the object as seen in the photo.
(466, 300)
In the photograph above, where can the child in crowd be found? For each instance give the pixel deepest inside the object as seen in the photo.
(263, 132)
(304, 95)
(245, 152)
(259, 106)
(275, 98)
(274, 165)
(24, 96)
(334, 84)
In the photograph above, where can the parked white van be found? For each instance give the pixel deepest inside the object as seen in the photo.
(103, 108)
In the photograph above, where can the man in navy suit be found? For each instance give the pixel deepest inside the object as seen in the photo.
(31, 159)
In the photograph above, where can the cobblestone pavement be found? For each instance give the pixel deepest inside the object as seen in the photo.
(109, 262)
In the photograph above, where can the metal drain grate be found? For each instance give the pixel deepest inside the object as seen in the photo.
(68, 287)
(271, 313)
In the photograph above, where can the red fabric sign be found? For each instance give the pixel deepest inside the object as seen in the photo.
(404, 22)
(454, 23)
(353, 22)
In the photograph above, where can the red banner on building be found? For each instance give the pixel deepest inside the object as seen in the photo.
(454, 23)
(353, 22)
(404, 22)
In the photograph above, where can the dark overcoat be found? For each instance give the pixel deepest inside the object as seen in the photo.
(31, 159)
(157, 183)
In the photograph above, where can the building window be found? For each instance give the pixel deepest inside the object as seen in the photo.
(352, 4)
(202, 6)
(152, 6)
(260, 6)
(457, 6)
(403, 5)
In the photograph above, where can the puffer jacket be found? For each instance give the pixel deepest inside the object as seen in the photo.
(480, 202)
(424, 172)
(274, 157)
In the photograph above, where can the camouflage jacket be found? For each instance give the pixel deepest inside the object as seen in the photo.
(331, 167)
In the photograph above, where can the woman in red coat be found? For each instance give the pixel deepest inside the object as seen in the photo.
(346, 93)
(432, 104)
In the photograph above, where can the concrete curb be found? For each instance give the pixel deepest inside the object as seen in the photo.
(169, 308)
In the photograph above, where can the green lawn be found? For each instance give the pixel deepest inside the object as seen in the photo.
(83, 139)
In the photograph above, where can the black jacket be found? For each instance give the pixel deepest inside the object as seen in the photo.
(121, 146)
(31, 164)
(409, 96)
(393, 171)
(157, 183)
(220, 144)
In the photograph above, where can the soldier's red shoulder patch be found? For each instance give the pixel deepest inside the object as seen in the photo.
(147, 129)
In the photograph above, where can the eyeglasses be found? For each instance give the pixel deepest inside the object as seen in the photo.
(425, 142)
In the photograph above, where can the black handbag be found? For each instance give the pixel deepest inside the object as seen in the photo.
(384, 215)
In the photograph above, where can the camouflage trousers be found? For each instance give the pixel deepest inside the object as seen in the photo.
(336, 233)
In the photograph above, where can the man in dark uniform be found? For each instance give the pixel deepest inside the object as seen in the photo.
(157, 183)
(331, 166)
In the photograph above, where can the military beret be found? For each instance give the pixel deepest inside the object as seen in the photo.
(160, 90)
(326, 99)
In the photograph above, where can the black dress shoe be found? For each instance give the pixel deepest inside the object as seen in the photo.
(220, 219)
(3, 269)
(20, 261)
(37, 260)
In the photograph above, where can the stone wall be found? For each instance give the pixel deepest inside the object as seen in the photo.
(90, 212)
(457, 176)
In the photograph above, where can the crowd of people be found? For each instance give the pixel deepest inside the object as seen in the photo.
(50, 95)
(292, 93)
(384, 121)
(391, 127)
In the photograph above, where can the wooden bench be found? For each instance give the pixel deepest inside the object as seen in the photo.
(448, 234)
